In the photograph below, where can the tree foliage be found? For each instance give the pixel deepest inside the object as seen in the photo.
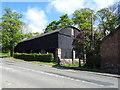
(84, 18)
(82, 42)
(63, 22)
(52, 26)
(88, 40)
(107, 20)
(30, 35)
(11, 26)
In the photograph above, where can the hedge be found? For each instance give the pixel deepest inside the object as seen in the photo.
(34, 57)
(93, 61)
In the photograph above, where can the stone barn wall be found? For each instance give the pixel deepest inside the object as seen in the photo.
(65, 40)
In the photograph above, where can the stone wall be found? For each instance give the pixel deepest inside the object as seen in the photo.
(110, 52)
(65, 39)
(68, 61)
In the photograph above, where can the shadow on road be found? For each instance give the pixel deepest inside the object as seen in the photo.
(77, 68)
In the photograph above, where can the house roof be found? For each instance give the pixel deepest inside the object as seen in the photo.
(111, 33)
(48, 33)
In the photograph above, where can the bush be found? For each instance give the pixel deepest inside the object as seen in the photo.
(93, 61)
(34, 57)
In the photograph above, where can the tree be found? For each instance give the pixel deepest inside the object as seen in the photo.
(30, 35)
(98, 36)
(11, 26)
(84, 18)
(65, 21)
(82, 43)
(1, 36)
(115, 8)
(108, 21)
(52, 26)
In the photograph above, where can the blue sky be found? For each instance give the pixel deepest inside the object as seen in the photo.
(39, 14)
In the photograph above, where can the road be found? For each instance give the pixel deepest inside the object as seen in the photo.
(20, 74)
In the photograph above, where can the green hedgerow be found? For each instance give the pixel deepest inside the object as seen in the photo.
(34, 57)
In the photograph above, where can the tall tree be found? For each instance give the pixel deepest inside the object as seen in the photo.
(52, 26)
(116, 9)
(11, 26)
(82, 41)
(30, 35)
(65, 21)
(84, 18)
(108, 21)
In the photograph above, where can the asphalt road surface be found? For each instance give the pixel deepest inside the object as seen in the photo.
(20, 74)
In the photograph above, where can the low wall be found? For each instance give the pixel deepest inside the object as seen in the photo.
(68, 61)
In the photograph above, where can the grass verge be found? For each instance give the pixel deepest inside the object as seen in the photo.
(83, 68)
(4, 54)
(48, 63)
(70, 66)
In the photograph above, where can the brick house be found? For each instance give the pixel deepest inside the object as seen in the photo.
(110, 52)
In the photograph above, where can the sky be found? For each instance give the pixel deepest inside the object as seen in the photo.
(37, 14)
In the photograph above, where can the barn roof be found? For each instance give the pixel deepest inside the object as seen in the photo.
(48, 33)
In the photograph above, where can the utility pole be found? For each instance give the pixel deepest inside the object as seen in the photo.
(92, 38)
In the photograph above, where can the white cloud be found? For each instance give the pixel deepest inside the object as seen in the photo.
(36, 19)
(69, 6)
(103, 3)
(66, 6)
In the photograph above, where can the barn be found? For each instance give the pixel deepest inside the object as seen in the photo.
(110, 51)
(58, 42)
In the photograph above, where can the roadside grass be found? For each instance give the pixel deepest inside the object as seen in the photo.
(4, 54)
(71, 66)
(39, 62)
(76, 64)
(83, 67)
(48, 63)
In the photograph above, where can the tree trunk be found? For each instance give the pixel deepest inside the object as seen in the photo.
(11, 51)
(79, 62)
(58, 61)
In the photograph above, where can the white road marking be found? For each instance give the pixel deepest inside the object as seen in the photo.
(8, 83)
(51, 74)
(6, 68)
